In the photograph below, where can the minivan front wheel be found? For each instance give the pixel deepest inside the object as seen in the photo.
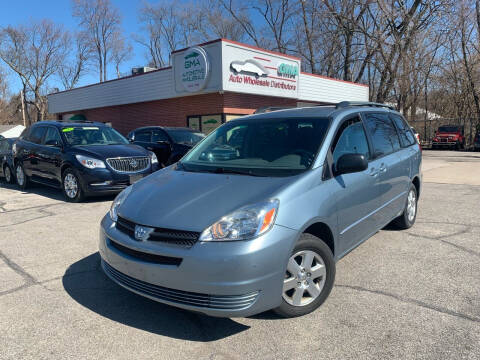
(407, 219)
(71, 186)
(8, 174)
(308, 278)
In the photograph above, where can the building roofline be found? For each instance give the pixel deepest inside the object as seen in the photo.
(241, 44)
(329, 78)
(108, 81)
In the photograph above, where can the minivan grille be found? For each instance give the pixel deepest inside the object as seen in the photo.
(177, 237)
(147, 257)
(129, 164)
(220, 302)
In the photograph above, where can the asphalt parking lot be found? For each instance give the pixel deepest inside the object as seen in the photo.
(410, 294)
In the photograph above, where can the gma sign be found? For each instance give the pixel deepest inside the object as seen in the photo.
(196, 68)
(288, 70)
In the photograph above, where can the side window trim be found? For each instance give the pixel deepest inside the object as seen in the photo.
(54, 129)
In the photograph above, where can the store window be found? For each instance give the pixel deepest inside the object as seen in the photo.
(193, 122)
(210, 123)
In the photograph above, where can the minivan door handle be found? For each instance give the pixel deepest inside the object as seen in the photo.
(383, 168)
(373, 172)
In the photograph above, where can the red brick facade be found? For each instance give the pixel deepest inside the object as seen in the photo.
(174, 112)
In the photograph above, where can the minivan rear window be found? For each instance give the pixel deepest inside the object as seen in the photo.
(384, 135)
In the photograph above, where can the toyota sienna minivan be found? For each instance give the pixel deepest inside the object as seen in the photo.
(256, 215)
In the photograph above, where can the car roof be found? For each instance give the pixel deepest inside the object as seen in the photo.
(69, 123)
(316, 111)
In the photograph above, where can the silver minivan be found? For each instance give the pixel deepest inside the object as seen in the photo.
(256, 215)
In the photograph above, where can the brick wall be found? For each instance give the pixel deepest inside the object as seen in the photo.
(174, 112)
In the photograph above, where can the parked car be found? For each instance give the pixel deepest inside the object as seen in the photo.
(6, 159)
(239, 235)
(476, 141)
(168, 143)
(451, 136)
(81, 158)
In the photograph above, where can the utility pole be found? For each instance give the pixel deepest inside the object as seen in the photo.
(23, 109)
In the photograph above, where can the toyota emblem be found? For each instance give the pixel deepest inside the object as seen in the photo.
(142, 233)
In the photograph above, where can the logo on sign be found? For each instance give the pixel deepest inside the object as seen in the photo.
(142, 233)
(250, 66)
(287, 70)
(195, 69)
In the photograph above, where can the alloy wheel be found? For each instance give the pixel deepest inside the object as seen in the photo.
(411, 205)
(70, 184)
(8, 174)
(304, 279)
(20, 175)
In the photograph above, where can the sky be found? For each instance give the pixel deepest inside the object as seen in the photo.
(15, 12)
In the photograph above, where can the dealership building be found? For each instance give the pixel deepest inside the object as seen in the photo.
(206, 86)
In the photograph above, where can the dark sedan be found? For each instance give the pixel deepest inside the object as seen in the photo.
(6, 159)
(168, 143)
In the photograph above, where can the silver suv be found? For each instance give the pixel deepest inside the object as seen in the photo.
(256, 215)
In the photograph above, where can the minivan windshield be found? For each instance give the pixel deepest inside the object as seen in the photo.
(92, 135)
(185, 136)
(259, 147)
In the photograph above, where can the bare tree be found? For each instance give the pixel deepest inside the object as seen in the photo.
(100, 22)
(35, 53)
(76, 62)
(121, 52)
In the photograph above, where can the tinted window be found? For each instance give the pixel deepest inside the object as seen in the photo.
(185, 136)
(159, 135)
(143, 136)
(52, 136)
(4, 146)
(407, 138)
(351, 139)
(36, 134)
(449, 129)
(384, 135)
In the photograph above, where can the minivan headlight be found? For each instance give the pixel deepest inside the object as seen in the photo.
(90, 162)
(117, 202)
(243, 224)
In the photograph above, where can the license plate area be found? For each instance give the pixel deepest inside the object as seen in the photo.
(134, 178)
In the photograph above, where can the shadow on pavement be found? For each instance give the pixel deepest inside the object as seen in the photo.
(86, 283)
(50, 192)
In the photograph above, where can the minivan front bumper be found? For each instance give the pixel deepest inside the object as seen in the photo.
(227, 279)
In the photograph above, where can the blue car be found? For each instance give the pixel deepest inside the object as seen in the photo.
(6, 159)
(81, 158)
(257, 214)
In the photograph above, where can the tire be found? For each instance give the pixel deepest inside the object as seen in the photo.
(8, 174)
(407, 219)
(71, 186)
(306, 279)
(22, 179)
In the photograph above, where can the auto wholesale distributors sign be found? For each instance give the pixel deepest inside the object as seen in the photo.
(251, 70)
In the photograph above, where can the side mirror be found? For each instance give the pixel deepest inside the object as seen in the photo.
(350, 163)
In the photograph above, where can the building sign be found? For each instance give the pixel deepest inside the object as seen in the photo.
(195, 69)
(259, 72)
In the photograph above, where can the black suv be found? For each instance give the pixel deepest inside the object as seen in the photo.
(82, 158)
(168, 143)
(6, 158)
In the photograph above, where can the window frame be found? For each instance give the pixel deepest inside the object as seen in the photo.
(409, 128)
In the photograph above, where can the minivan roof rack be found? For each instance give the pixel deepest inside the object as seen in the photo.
(345, 104)
(267, 109)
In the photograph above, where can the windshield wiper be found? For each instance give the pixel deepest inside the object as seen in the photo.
(221, 170)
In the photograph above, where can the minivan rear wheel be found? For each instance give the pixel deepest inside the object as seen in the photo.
(8, 174)
(309, 277)
(407, 219)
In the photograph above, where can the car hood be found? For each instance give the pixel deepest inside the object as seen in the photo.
(111, 151)
(193, 201)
